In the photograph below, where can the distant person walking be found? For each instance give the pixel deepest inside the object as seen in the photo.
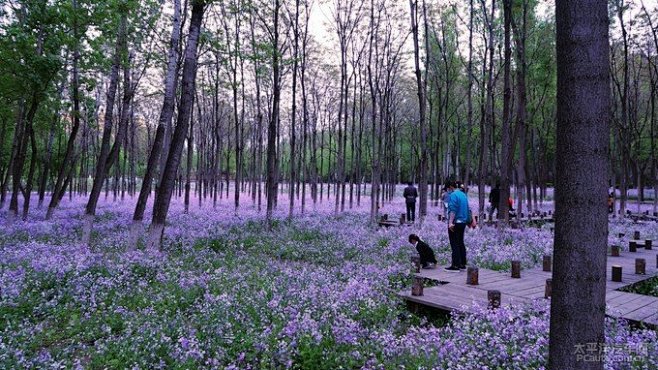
(494, 199)
(427, 258)
(410, 194)
(457, 217)
(445, 197)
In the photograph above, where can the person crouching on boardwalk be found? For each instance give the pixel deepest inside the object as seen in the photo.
(427, 258)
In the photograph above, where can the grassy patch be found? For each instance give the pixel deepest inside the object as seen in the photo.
(646, 287)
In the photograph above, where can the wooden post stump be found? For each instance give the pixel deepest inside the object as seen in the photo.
(494, 298)
(640, 266)
(648, 244)
(417, 287)
(547, 263)
(632, 246)
(616, 273)
(415, 262)
(614, 251)
(548, 290)
(516, 269)
(636, 235)
(472, 275)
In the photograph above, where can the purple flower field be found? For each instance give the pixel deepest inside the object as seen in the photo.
(316, 292)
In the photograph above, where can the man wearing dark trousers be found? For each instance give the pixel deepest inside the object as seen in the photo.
(457, 216)
(494, 199)
(410, 194)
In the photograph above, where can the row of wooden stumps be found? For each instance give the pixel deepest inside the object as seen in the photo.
(636, 235)
(533, 214)
(476, 217)
(640, 263)
(384, 221)
(472, 278)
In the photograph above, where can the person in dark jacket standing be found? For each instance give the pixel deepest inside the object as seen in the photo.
(494, 199)
(427, 258)
(410, 194)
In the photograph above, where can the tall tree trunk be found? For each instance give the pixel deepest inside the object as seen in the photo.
(507, 145)
(45, 173)
(376, 129)
(166, 115)
(293, 121)
(190, 162)
(487, 128)
(583, 113)
(19, 135)
(469, 97)
(304, 106)
(105, 156)
(624, 132)
(272, 132)
(521, 110)
(164, 192)
(421, 89)
(30, 177)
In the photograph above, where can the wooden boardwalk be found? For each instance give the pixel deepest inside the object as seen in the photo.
(453, 294)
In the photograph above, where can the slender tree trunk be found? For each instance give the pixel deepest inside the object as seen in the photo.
(272, 132)
(469, 97)
(49, 150)
(293, 122)
(190, 161)
(19, 135)
(30, 177)
(164, 192)
(166, 115)
(421, 88)
(488, 113)
(105, 157)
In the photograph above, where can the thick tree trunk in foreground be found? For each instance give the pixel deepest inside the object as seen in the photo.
(163, 196)
(583, 113)
(506, 141)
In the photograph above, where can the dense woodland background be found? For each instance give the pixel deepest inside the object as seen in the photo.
(239, 101)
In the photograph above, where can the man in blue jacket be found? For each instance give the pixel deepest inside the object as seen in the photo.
(457, 216)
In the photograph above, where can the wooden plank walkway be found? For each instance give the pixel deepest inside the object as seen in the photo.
(455, 295)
